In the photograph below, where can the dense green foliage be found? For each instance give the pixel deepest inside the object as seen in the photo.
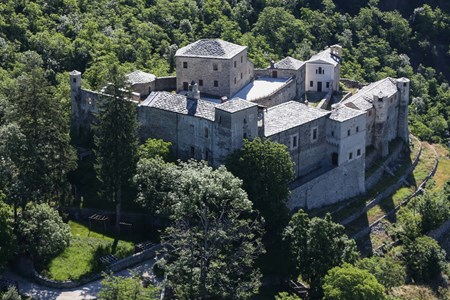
(317, 245)
(7, 236)
(116, 141)
(350, 283)
(121, 288)
(11, 294)
(42, 232)
(425, 259)
(388, 271)
(214, 239)
(153, 147)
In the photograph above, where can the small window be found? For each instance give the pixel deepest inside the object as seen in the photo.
(206, 132)
(328, 85)
(320, 70)
(404, 84)
(235, 64)
(357, 128)
(350, 156)
(245, 135)
(215, 67)
(311, 83)
(242, 59)
(234, 80)
(323, 71)
(245, 120)
(192, 151)
(216, 83)
(332, 133)
(200, 82)
(74, 80)
(206, 154)
(314, 134)
(241, 75)
(348, 132)
(358, 152)
(294, 142)
(220, 119)
(184, 64)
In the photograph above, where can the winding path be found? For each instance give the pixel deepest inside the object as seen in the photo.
(87, 291)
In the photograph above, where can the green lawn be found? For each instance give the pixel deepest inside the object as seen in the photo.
(81, 257)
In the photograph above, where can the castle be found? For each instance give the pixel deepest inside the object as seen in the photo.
(218, 99)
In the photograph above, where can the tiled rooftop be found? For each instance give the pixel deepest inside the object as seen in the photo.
(363, 100)
(235, 104)
(179, 104)
(343, 113)
(210, 48)
(289, 115)
(140, 77)
(289, 63)
(325, 56)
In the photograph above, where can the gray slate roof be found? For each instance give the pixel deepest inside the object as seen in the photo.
(235, 104)
(213, 48)
(289, 63)
(180, 104)
(326, 57)
(343, 113)
(140, 77)
(289, 115)
(363, 100)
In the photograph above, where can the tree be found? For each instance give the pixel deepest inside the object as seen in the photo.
(316, 246)
(122, 288)
(266, 169)
(286, 296)
(11, 294)
(424, 259)
(116, 139)
(7, 236)
(210, 248)
(39, 116)
(153, 148)
(388, 271)
(42, 232)
(350, 283)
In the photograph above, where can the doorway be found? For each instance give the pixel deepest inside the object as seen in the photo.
(334, 158)
(185, 86)
(275, 74)
(319, 86)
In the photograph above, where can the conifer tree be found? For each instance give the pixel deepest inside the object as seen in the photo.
(116, 139)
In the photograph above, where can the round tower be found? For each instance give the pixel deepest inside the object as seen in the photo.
(403, 85)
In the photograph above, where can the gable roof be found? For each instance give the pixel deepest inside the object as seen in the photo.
(343, 113)
(180, 104)
(140, 77)
(289, 115)
(235, 104)
(325, 56)
(363, 100)
(212, 48)
(289, 63)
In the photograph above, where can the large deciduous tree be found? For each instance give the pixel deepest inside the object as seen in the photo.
(42, 232)
(350, 283)
(211, 246)
(121, 288)
(116, 139)
(316, 246)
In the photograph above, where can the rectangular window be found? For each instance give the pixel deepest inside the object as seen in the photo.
(311, 83)
(350, 156)
(241, 75)
(332, 133)
(294, 142)
(358, 152)
(348, 132)
(245, 135)
(215, 67)
(235, 64)
(242, 59)
(184, 64)
(74, 80)
(234, 80)
(216, 83)
(357, 128)
(314, 135)
(328, 85)
(206, 133)
(200, 82)
(192, 151)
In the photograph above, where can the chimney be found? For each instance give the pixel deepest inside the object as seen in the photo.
(223, 99)
(336, 50)
(272, 64)
(193, 92)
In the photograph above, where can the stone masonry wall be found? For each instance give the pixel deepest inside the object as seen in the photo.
(168, 83)
(334, 186)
